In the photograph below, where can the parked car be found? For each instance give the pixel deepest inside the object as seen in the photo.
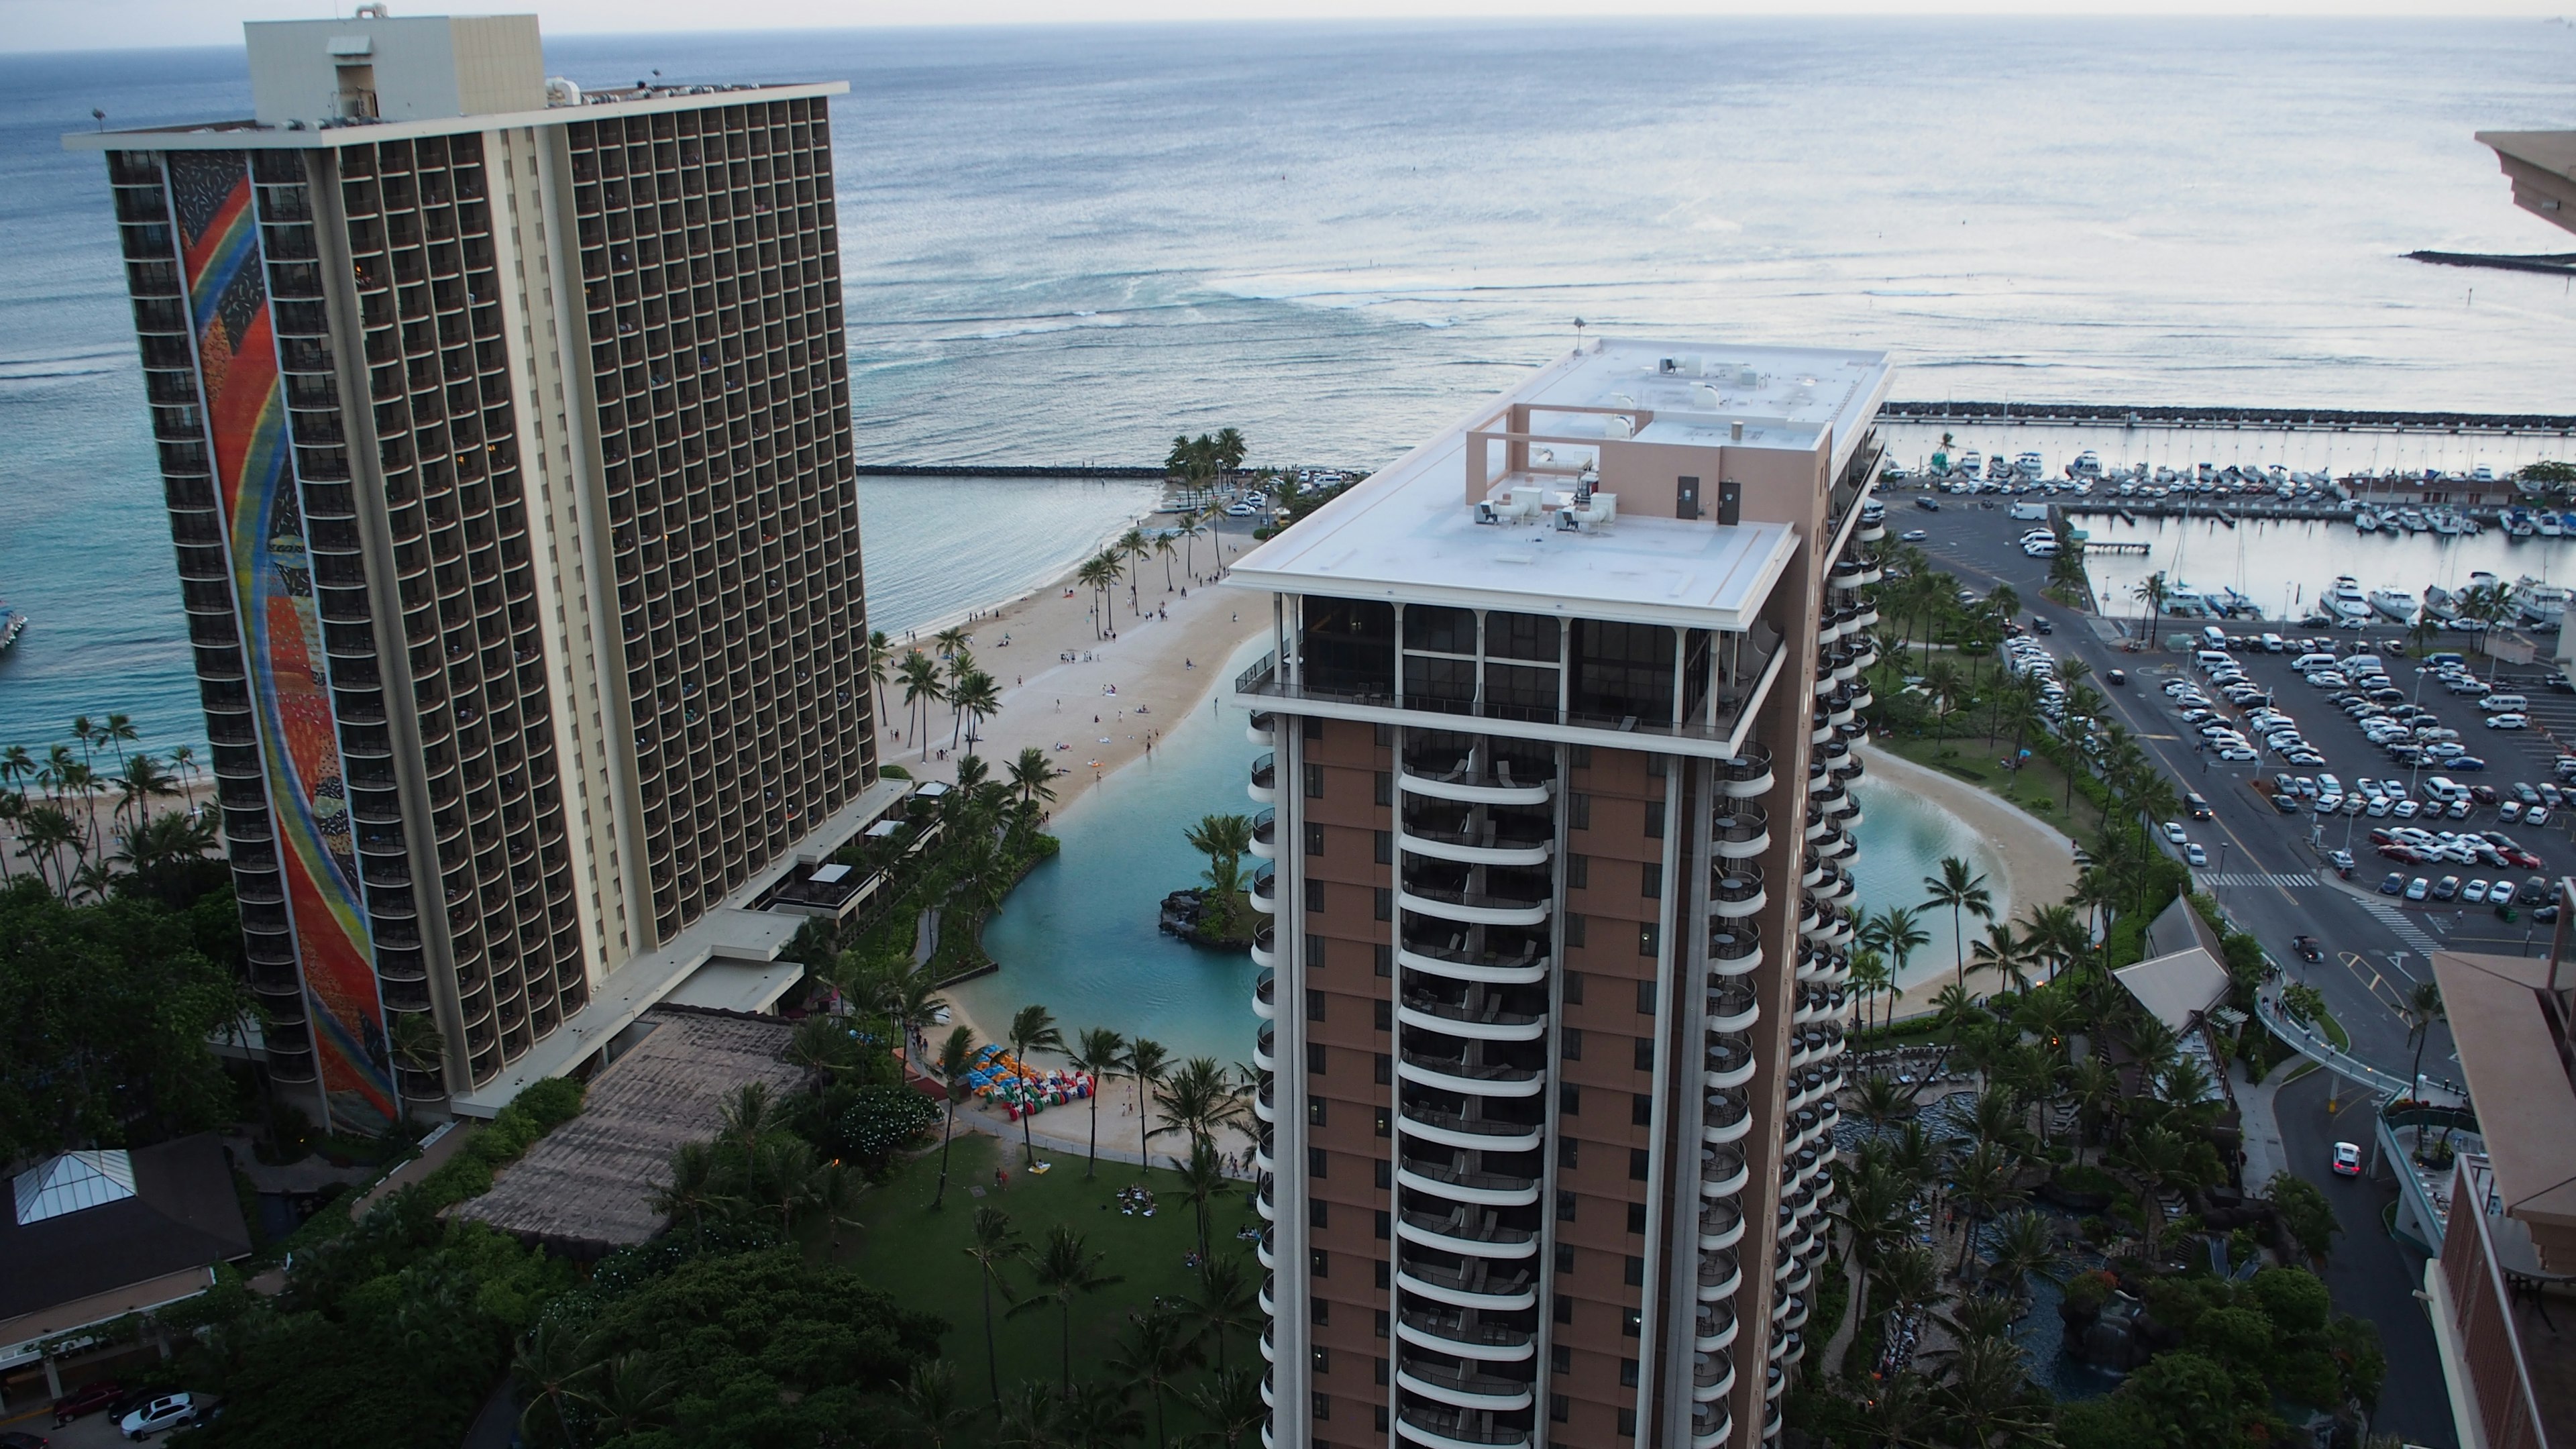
(2195, 855)
(2392, 883)
(89, 1398)
(2474, 893)
(2174, 832)
(2418, 888)
(2447, 888)
(2342, 862)
(170, 1411)
(1914, 535)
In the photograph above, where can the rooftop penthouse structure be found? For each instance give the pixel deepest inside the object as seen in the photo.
(1557, 820)
(505, 433)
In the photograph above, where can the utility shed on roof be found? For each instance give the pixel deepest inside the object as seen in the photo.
(586, 1189)
(2178, 988)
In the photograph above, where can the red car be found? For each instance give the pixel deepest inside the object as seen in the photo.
(2404, 854)
(87, 1399)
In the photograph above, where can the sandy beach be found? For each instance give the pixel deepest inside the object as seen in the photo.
(2034, 860)
(1092, 703)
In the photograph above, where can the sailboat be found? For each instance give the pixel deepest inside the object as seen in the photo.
(2365, 521)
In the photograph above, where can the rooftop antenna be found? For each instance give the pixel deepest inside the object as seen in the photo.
(1578, 334)
(99, 116)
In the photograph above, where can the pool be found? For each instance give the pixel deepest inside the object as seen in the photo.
(1079, 937)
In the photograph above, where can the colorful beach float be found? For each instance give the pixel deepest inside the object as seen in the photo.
(1002, 1080)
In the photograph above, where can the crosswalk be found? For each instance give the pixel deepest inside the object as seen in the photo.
(2402, 926)
(2290, 879)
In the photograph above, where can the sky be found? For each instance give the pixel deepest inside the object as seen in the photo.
(40, 25)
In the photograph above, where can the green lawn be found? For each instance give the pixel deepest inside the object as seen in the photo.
(2039, 786)
(917, 1253)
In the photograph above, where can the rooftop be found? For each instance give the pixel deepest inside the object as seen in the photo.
(1411, 529)
(90, 1223)
(2542, 167)
(587, 1186)
(2518, 1081)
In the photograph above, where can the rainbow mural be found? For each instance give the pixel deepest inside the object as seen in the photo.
(282, 632)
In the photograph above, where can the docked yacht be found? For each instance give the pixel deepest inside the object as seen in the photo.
(2030, 465)
(2412, 520)
(2548, 524)
(2447, 523)
(2087, 464)
(2542, 603)
(2365, 521)
(2345, 599)
(2397, 604)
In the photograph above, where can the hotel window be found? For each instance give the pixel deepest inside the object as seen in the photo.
(1651, 880)
(1314, 837)
(1314, 781)
(1578, 872)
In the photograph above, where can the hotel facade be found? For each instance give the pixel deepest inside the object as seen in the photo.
(505, 436)
(1556, 823)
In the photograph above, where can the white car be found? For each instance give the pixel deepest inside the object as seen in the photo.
(166, 1412)
(2508, 721)
(1914, 535)
(1243, 510)
(2474, 893)
(2195, 855)
(2347, 1159)
(2236, 754)
(2174, 832)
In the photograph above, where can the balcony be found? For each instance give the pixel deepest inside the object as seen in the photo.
(1261, 725)
(1264, 954)
(1475, 1283)
(1265, 835)
(1264, 893)
(1458, 962)
(1739, 830)
(1464, 1074)
(1722, 1172)
(1261, 1049)
(1265, 779)
(1460, 779)
(1449, 1180)
(1720, 1274)
(1747, 775)
(1721, 1225)
(1728, 1119)
(1735, 891)
(1487, 844)
(1468, 1233)
(1481, 1014)
(1714, 1328)
(1712, 1376)
(1712, 1425)
(1440, 1428)
(1733, 1006)
(1261, 993)
(1462, 1387)
(1729, 1062)
(1471, 906)
(1472, 1130)
(1465, 1333)
(1733, 953)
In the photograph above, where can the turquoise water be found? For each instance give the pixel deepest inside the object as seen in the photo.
(1078, 936)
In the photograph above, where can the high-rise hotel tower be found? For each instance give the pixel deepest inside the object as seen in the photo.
(505, 434)
(1558, 838)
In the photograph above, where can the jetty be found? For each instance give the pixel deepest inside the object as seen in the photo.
(2142, 415)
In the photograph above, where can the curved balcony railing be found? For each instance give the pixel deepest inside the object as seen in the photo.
(1739, 830)
(1265, 834)
(1493, 968)
(1466, 1333)
(1735, 890)
(1264, 952)
(1485, 1020)
(1477, 1079)
(1720, 1274)
(1262, 1005)
(1264, 890)
(1470, 1234)
(1712, 1425)
(1721, 1224)
(1460, 782)
(1262, 726)
(1733, 1006)
(1490, 1189)
(1265, 779)
(1728, 1118)
(1441, 1428)
(1462, 1387)
(1727, 1062)
(1746, 775)
(1733, 952)
(1712, 1376)
(1489, 846)
(1474, 1284)
(1722, 1172)
(1485, 908)
(1484, 1134)
(1261, 1057)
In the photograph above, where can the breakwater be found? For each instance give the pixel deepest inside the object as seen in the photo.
(2143, 415)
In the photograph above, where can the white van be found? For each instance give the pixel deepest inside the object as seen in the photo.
(2041, 548)
(2309, 663)
(2360, 664)
(2504, 704)
(2274, 644)
(2212, 660)
(2213, 637)
(2029, 510)
(2445, 789)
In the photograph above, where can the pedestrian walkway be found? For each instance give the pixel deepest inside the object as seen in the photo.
(2403, 927)
(2293, 880)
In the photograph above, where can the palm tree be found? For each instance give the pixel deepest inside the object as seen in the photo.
(117, 733)
(2423, 1008)
(955, 1059)
(1164, 549)
(995, 1247)
(1200, 1098)
(1898, 931)
(1869, 977)
(1983, 1182)
(554, 1365)
(2004, 954)
(1148, 1064)
(929, 1398)
(1033, 777)
(1065, 1269)
(1203, 1181)
(1193, 524)
(1880, 1100)
(921, 689)
(1229, 449)
(697, 1189)
(1033, 1419)
(183, 758)
(1098, 1416)
(1102, 1053)
(879, 647)
(1226, 1300)
(1962, 891)
(42, 833)
(1132, 546)
(1099, 574)
(1033, 1030)
(2157, 1158)
(2096, 1085)
(1231, 1403)
(1154, 1351)
(977, 698)
(911, 1001)
(2151, 592)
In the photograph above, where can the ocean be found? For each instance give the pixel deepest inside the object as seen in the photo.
(1063, 245)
